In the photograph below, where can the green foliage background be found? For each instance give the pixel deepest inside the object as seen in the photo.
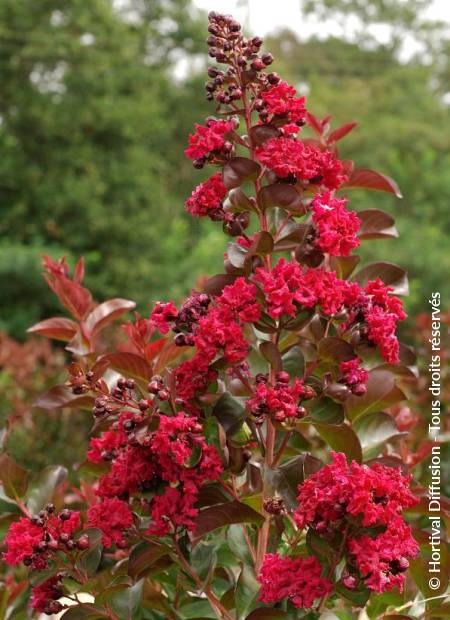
(93, 126)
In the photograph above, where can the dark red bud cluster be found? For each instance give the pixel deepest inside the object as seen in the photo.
(193, 309)
(274, 505)
(123, 388)
(158, 388)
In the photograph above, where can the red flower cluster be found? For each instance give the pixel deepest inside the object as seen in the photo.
(206, 199)
(289, 286)
(304, 161)
(336, 226)
(160, 462)
(295, 579)
(44, 597)
(352, 375)
(376, 495)
(280, 401)
(208, 139)
(382, 313)
(163, 314)
(32, 541)
(112, 517)
(281, 100)
(219, 331)
(383, 560)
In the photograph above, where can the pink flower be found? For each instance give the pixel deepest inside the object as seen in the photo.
(304, 161)
(383, 560)
(207, 139)
(295, 579)
(336, 226)
(206, 199)
(112, 517)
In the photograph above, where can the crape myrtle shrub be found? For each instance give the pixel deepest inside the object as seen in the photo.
(243, 463)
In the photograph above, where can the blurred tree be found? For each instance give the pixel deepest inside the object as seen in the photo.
(87, 123)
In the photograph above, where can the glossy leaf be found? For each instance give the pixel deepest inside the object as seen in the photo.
(230, 413)
(107, 312)
(238, 170)
(342, 438)
(392, 275)
(294, 362)
(218, 516)
(374, 430)
(284, 480)
(364, 178)
(236, 543)
(43, 486)
(58, 328)
(261, 133)
(376, 224)
(74, 297)
(247, 591)
(325, 411)
(13, 477)
(143, 556)
(336, 349)
(382, 392)
(271, 353)
(129, 364)
(60, 396)
(216, 284)
(344, 266)
(89, 560)
(281, 195)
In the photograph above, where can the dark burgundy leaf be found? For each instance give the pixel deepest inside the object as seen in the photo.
(60, 396)
(57, 327)
(220, 515)
(382, 392)
(336, 349)
(216, 284)
(261, 133)
(271, 353)
(238, 170)
(129, 364)
(364, 178)
(143, 557)
(344, 265)
(376, 224)
(281, 195)
(392, 275)
(239, 201)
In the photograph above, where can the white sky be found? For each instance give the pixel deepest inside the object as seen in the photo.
(263, 16)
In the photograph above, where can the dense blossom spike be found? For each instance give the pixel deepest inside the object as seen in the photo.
(195, 427)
